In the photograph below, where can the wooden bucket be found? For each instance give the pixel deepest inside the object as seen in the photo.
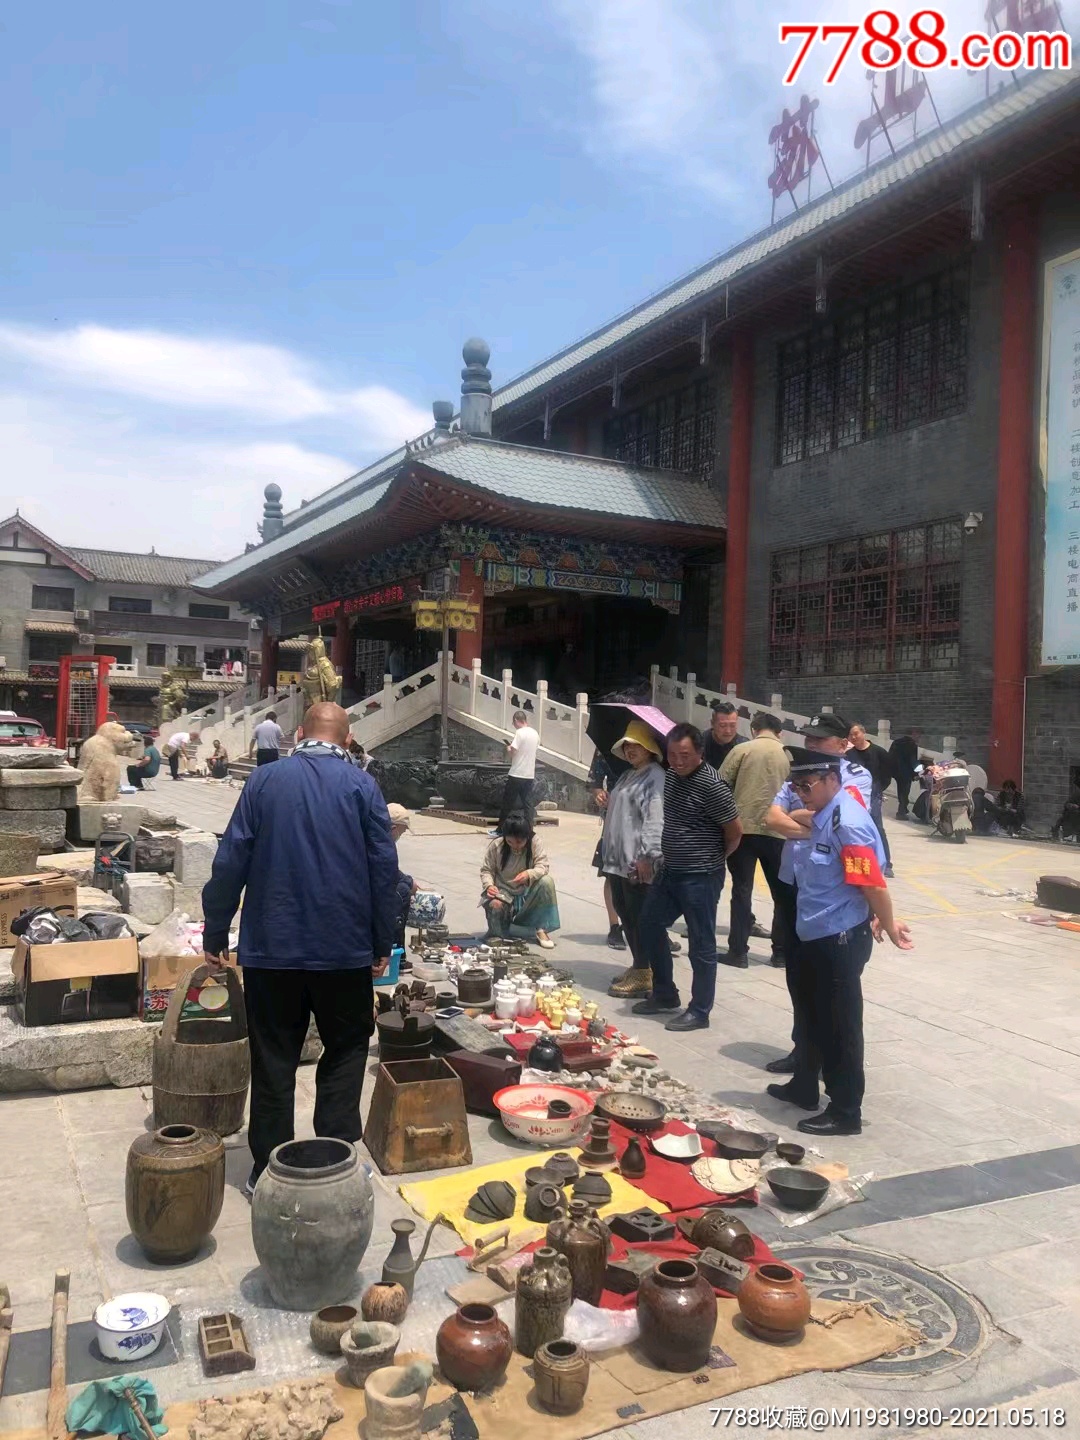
(202, 1068)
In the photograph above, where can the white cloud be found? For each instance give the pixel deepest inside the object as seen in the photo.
(129, 439)
(686, 91)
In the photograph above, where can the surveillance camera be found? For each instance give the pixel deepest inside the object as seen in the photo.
(972, 521)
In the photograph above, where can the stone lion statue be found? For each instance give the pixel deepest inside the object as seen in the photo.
(321, 681)
(99, 760)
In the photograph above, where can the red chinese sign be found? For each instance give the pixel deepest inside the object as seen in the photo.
(1023, 16)
(898, 102)
(380, 599)
(795, 150)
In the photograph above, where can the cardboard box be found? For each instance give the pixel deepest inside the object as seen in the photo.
(27, 892)
(158, 980)
(88, 980)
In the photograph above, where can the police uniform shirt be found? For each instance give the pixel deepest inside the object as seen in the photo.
(858, 782)
(842, 857)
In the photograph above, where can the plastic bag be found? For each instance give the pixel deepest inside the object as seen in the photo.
(104, 925)
(45, 927)
(168, 938)
(597, 1329)
(839, 1194)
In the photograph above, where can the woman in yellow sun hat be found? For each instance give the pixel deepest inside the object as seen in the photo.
(630, 845)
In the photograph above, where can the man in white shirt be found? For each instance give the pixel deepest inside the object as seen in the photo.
(518, 791)
(176, 751)
(267, 740)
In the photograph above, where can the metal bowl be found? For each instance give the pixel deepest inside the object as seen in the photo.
(798, 1189)
(637, 1112)
(735, 1144)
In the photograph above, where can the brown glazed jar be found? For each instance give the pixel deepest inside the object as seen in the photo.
(561, 1373)
(544, 1292)
(718, 1230)
(677, 1314)
(473, 1348)
(584, 1239)
(174, 1190)
(774, 1302)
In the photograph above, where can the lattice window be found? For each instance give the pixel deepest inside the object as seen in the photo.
(898, 361)
(883, 602)
(676, 432)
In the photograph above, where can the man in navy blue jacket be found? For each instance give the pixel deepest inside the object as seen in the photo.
(310, 840)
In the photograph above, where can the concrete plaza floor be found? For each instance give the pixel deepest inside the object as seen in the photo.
(972, 1124)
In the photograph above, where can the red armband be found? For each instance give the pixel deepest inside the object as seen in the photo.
(856, 794)
(861, 866)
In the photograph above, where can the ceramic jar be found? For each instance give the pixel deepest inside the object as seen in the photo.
(561, 1374)
(719, 1230)
(474, 987)
(526, 998)
(329, 1325)
(174, 1191)
(774, 1302)
(545, 1055)
(506, 1005)
(473, 1348)
(384, 1302)
(542, 1298)
(584, 1240)
(394, 1401)
(677, 1315)
(311, 1219)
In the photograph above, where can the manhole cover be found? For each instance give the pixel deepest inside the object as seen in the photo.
(953, 1328)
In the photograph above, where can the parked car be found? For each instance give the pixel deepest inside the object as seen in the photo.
(144, 732)
(20, 730)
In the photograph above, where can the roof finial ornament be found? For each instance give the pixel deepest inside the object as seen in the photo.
(443, 411)
(273, 521)
(476, 388)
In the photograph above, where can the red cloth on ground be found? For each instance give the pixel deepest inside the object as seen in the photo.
(670, 1181)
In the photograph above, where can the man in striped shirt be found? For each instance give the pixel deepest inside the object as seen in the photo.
(701, 828)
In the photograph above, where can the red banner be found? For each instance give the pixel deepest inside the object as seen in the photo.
(397, 593)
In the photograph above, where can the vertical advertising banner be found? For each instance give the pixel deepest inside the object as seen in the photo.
(1061, 463)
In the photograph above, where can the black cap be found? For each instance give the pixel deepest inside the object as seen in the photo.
(826, 727)
(811, 762)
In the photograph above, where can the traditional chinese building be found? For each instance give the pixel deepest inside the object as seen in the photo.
(817, 466)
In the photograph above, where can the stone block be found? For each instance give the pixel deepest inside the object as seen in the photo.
(74, 1057)
(79, 864)
(91, 898)
(92, 813)
(194, 857)
(149, 897)
(188, 898)
(48, 825)
(38, 779)
(45, 797)
(30, 757)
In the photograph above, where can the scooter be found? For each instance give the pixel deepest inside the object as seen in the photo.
(951, 802)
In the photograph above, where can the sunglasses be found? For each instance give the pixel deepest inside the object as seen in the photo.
(802, 786)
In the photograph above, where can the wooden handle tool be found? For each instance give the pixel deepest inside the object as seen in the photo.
(57, 1403)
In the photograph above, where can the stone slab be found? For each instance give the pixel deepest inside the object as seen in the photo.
(90, 898)
(31, 757)
(92, 813)
(149, 897)
(26, 779)
(46, 797)
(49, 825)
(194, 857)
(79, 864)
(188, 898)
(73, 1057)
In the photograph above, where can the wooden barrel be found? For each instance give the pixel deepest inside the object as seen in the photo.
(202, 1068)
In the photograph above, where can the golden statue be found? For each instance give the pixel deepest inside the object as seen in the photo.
(173, 696)
(321, 681)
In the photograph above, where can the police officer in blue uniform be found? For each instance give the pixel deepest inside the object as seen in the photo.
(788, 817)
(842, 906)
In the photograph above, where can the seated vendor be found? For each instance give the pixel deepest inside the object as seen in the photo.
(519, 893)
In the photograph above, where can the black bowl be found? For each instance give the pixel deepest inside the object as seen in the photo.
(790, 1153)
(735, 1144)
(798, 1189)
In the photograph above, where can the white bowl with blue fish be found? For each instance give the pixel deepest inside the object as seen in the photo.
(131, 1327)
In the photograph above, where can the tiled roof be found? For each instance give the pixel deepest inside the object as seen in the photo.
(554, 478)
(50, 627)
(124, 567)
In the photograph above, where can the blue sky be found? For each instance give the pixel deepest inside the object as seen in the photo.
(244, 242)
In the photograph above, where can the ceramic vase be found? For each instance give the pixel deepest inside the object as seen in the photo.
(399, 1268)
(394, 1402)
(174, 1191)
(473, 1348)
(632, 1164)
(584, 1240)
(677, 1315)
(542, 1298)
(561, 1375)
(387, 1303)
(774, 1302)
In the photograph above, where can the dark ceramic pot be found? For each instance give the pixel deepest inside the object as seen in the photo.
(174, 1191)
(545, 1055)
(774, 1302)
(473, 1348)
(585, 1241)
(561, 1373)
(677, 1314)
(544, 1292)
(632, 1164)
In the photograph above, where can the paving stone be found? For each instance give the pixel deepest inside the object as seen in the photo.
(1003, 1294)
(149, 897)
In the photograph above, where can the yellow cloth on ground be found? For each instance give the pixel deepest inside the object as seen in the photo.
(451, 1195)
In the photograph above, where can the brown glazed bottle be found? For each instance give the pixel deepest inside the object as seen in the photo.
(774, 1302)
(174, 1191)
(473, 1348)
(677, 1315)
(584, 1239)
(544, 1292)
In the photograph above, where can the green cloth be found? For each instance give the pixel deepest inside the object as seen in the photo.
(101, 1408)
